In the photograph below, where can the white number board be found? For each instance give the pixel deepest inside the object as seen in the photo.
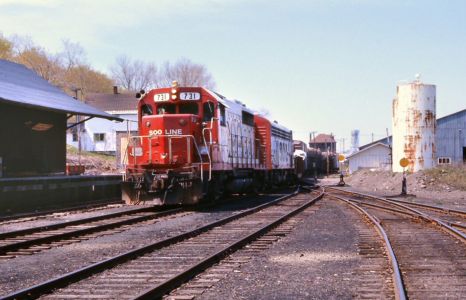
(162, 97)
(190, 96)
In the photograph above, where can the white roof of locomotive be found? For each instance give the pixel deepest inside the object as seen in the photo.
(237, 105)
(279, 126)
(231, 103)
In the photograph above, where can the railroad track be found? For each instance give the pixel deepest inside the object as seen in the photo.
(452, 217)
(36, 239)
(154, 270)
(428, 256)
(26, 217)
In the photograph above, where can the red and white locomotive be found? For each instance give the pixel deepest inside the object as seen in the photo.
(195, 144)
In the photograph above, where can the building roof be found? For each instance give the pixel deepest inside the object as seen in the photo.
(114, 102)
(444, 118)
(386, 141)
(373, 145)
(22, 86)
(323, 138)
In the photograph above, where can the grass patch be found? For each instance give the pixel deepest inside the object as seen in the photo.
(454, 176)
(70, 150)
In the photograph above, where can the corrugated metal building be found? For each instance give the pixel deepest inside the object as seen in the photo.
(450, 141)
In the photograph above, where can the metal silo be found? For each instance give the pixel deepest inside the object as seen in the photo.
(354, 140)
(414, 123)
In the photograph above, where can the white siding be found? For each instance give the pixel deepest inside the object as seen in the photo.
(109, 128)
(376, 157)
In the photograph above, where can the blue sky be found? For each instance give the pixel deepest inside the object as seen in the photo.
(326, 66)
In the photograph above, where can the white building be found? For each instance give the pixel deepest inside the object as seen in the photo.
(375, 156)
(99, 135)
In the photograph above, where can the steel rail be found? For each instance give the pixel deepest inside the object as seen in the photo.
(400, 292)
(66, 279)
(444, 225)
(442, 209)
(43, 214)
(74, 222)
(180, 278)
(79, 232)
(401, 212)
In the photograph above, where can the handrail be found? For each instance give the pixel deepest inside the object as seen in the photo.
(210, 143)
(169, 136)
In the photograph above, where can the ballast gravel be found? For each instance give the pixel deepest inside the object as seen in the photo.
(24, 271)
(318, 260)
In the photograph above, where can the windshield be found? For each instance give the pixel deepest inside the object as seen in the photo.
(181, 108)
(188, 108)
(166, 108)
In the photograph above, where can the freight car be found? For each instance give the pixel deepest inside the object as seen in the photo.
(196, 144)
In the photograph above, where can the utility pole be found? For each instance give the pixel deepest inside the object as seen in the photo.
(79, 92)
(312, 136)
(328, 161)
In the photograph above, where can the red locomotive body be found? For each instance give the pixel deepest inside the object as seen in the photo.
(195, 144)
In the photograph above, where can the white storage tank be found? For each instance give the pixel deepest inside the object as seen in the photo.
(414, 124)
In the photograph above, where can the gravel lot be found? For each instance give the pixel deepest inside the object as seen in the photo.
(25, 271)
(453, 199)
(420, 188)
(318, 260)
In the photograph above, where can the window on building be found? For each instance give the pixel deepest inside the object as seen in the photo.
(99, 137)
(444, 160)
(464, 155)
(75, 136)
(222, 115)
(189, 108)
(208, 108)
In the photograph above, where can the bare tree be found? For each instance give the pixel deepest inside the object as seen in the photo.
(73, 55)
(186, 73)
(134, 75)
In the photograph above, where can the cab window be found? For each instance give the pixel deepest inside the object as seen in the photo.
(166, 108)
(146, 110)
(208, 108)
(222, 115)
(188, 108)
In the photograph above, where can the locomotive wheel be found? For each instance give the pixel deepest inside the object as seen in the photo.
(215, 191)
(130, 195)
(174, 194)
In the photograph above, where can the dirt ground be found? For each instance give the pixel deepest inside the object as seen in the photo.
(439, 186)
(95, 164)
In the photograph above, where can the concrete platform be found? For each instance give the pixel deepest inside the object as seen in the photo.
(31, 194)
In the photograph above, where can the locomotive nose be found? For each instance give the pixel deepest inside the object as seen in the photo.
(170, 139)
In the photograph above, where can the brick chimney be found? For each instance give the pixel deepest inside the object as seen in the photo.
(115, 89)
